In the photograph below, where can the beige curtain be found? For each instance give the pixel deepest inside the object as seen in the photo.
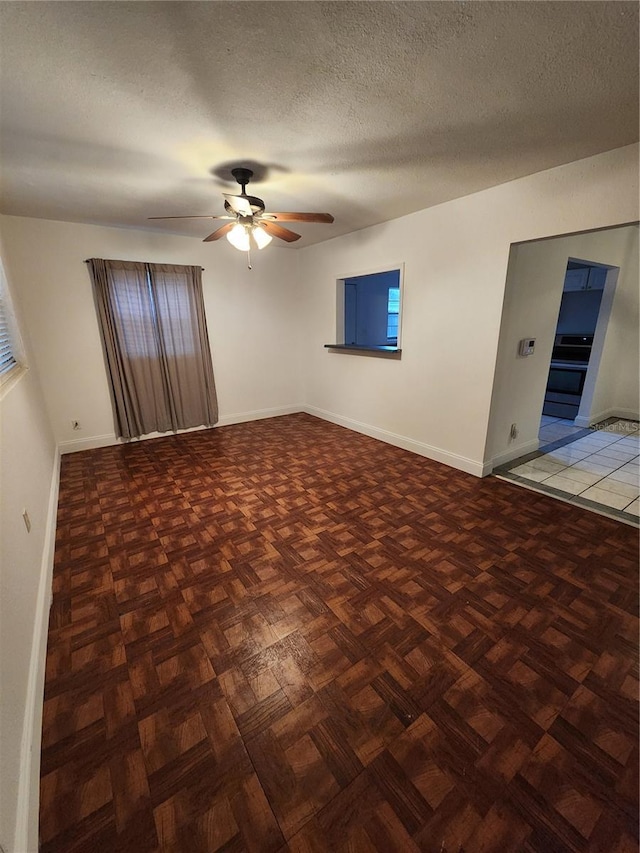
(156, 346)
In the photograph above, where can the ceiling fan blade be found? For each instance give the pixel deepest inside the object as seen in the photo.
(219, 233)
(278, 231)
(302, 217)
(239, 204)
(190, 217)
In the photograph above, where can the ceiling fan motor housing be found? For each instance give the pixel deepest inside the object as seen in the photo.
(242, 176)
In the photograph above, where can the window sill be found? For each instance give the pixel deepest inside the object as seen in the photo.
(384, 350)
(11, 378)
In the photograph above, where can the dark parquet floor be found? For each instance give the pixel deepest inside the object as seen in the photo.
(285, 636)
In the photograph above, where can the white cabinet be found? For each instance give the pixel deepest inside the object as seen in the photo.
(576, 280)
(597, 277)
(587, 278)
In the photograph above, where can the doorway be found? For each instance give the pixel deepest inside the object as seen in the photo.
(543, 279)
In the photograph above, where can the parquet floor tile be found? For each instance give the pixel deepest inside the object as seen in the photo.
(285, 637)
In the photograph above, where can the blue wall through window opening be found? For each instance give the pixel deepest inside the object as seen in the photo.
(372, 309)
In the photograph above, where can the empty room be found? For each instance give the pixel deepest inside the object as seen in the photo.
(319, 418)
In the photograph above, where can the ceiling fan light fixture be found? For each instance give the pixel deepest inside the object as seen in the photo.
(239, 237)
(246, 216)
(261, 237)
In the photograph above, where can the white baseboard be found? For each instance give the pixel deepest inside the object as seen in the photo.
(87, 443)
(627, 414)
(259, 414)
(26, 834)
(109, 439)
(462, 463)
(513, 453)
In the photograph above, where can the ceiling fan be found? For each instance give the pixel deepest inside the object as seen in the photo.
(248, 219)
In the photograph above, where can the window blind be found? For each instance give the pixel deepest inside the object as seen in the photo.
(7, 357)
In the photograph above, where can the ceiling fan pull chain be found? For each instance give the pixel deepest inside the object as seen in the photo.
(249, 259)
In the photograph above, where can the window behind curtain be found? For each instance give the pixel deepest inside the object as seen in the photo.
(156, 346)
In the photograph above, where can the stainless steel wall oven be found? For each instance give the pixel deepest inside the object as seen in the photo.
(567, 374)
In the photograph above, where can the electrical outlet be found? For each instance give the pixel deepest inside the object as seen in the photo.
(75, 424)
(513, 432)
(27, 520)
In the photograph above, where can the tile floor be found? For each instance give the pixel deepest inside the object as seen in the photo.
(597, 468)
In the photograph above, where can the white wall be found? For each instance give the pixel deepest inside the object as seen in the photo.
(617, 388)
(532, 302)
(28, 480)
(436, 399)
(268, 325)
(252, 317)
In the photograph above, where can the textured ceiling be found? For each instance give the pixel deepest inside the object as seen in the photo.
(115, 111)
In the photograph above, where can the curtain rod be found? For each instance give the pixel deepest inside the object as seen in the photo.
(86, 261)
